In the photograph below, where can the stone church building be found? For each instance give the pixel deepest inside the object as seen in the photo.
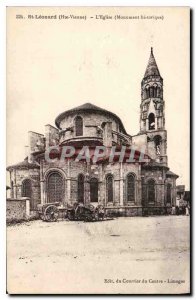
(127, 187)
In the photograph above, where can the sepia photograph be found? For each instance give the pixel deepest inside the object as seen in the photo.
(98, 150)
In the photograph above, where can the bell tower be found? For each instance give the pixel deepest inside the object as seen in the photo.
(152, 112)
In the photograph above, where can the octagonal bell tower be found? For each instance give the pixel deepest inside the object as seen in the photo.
(152, 112)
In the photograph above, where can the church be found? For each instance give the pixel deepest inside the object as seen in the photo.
(126, 188)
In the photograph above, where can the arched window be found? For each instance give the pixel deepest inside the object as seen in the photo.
(151, 121)
(155, 91)
(109, 188)
(130, 188)
(55, 187)
(103, 125)
(94, 190)
(151, 192)
(157, 142)
(169, 197)
(26, 188)
(147, 93)
(151, 92)
(158, 92)
(79, 126)
(81, 188)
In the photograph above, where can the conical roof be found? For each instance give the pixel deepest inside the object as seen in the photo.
(152, 68)
(24, 165)
(87, 107)
(170, 173)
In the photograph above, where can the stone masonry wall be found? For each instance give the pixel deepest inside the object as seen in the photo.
(159, 177)
(73, 169)
(90, 121)
(18, 176)
(15, 210)
(51, 135)
(36, 142)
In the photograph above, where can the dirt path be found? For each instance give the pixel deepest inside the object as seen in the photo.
(102, 257)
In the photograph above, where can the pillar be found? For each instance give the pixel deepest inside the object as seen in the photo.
(139, 187)
(68, 183)
(121, 185)
(87, 184)
(15, 186)
(42, 191)
(147, 124)
(87, 189)
(101, 190)
(107, 135)
(27, 207)
(42, 183)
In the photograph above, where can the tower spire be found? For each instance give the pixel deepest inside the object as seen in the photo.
(152, 112)
(152, 68)
(152, 106)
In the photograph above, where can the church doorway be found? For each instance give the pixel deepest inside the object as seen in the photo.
(55, 187)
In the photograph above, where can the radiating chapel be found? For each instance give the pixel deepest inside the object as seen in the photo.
(126, 187)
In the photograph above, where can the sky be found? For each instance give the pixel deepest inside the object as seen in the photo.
(55, 65)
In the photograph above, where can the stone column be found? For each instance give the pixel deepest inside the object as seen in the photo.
(139, 192)
(139, 187)
(163, 198)
(42, 183)
(143, 191)
(42, 191)
(156, 123)
(87, 189)
(147, 124)
(15, 186)
(68, 183)
(27, 207)
(101, 198)
(121, 185)
(87, 184)
(107, 135)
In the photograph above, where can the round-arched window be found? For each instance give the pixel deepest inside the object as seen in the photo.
(55, 187)
(151, 121)
(109, 188)
(151, 192)
(26, 188)
(79, 126)
(130, 188)
(94, 190)
(81, 188)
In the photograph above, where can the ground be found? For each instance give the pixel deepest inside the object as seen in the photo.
(123, 255)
